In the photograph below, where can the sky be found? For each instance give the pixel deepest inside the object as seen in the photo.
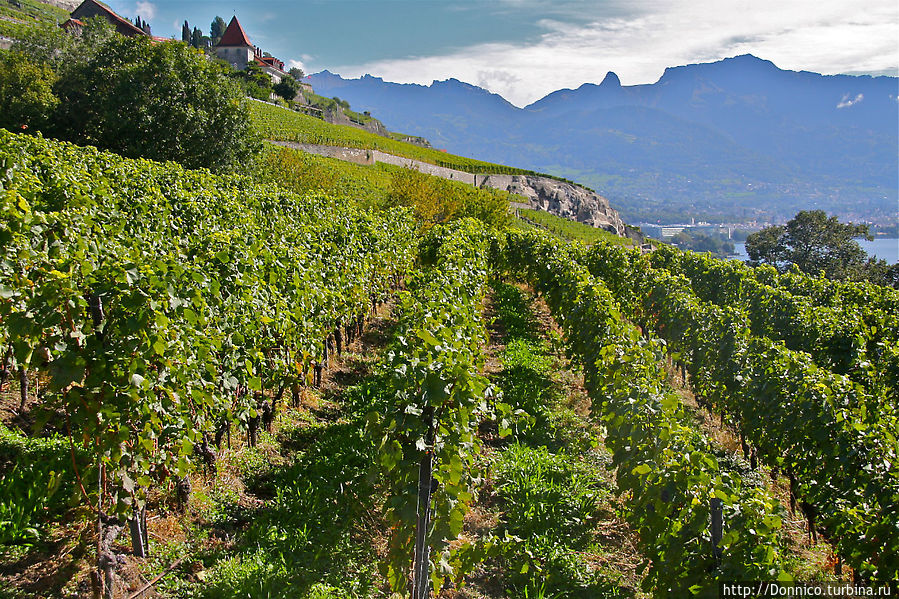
(525, 49)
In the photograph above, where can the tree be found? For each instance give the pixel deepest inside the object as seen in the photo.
(180, 106)
(814, 243)
(217, 29)
(701, 242)
(196, 37)
(142, 25)
(26, 93)
(256, 82)
(297, 73)
(185, 32)
(288, 88)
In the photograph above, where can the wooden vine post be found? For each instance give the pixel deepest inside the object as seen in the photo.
(421, 557)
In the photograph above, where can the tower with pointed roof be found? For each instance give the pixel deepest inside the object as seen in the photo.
(235, 46)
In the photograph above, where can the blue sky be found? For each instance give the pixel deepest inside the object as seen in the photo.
(525, 49)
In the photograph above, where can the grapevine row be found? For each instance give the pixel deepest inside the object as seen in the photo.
(440, 396)
(276, 123)
(835, 440)
(819, 290)
(860, 340)
(162, 305)
(664, 463)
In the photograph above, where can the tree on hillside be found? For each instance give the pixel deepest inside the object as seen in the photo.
(185, 32)
(180, 106)
(217, 29)
(816, 244)
(142, 25)
(26, 93)
(256, 83)
(288, 88)
(297, 73)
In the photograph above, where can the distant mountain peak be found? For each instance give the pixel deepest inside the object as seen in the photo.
(742, 62)
(610, 80)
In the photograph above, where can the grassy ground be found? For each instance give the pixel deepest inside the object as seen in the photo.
(549, 483)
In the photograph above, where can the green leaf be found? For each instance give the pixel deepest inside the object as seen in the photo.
(642, 470)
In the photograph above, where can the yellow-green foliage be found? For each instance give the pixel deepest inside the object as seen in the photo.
(32, 11)
(382, 185)
(572, 230)
(17, 22)
(436, 200)
(302, 172)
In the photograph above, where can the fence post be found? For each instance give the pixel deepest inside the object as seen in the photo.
(420, 560)
(717, 527)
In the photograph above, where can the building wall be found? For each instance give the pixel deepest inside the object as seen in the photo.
(237, 56)
(275, 75)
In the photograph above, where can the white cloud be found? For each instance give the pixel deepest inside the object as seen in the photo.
(291, 64)
(846, 102)
(826, 36)
(145, 10)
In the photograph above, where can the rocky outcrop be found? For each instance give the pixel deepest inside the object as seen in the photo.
(377, 127)
(416, 141)
(560, 198)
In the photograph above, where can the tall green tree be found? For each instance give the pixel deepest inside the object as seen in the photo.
(813, 243)
(180, 106)
(185, 32)
(217, 29)
(26, 93)
(297, 73)
(287, 88)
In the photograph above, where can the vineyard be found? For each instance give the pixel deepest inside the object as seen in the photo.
(279, 124)
(216, 387)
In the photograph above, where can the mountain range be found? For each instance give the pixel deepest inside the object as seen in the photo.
(730, 141)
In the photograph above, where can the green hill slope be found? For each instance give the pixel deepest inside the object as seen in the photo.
(279, 124)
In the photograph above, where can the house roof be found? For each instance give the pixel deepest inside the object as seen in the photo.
(110, 14)
(265, 63)
(235, 35)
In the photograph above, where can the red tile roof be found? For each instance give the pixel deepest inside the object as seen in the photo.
(267, 62)
(235, 35)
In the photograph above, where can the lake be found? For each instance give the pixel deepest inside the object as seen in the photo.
(881, 248)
